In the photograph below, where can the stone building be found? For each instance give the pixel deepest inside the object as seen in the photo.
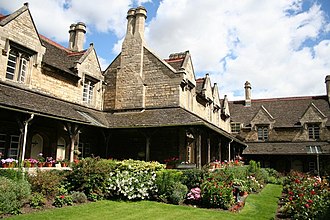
(284, 133)
(56, 100)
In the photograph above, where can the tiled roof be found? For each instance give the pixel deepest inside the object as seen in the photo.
(199, 84)
(60, 57)
(176, 59)
(31, 102)
(292, 148)
(286, 111)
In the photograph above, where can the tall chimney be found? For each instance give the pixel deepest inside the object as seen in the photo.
(327, 83)
(72, 36)
(80, 36)
(140, 18)
(130, 21)
(247, 94)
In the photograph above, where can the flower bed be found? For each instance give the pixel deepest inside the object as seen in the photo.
(305, 196)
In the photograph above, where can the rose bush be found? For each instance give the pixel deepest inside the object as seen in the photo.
(306, 197)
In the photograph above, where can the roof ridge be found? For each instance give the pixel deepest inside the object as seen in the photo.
(283, 98)
(54, 43)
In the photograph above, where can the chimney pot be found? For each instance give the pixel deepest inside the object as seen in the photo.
(140, 18)
(327, 83)
(247, 94)
(80, 30)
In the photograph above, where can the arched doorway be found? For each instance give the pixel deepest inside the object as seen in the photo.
(36, 145)
(60, 150)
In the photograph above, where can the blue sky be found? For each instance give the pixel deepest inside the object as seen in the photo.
(281, 46)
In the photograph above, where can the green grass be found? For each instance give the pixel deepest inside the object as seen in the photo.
(258, 206)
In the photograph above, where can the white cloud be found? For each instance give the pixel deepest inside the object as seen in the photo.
(53, 17)
(258, 41)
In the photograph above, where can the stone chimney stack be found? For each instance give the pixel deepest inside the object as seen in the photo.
(130, 21)
(247, 94)
(140, 19)
(72, 36)
(77, 36)
(80, 36)
(327, 83)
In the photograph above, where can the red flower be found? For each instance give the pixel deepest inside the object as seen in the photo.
(306, 205)
(297, 181)
(301, 194)
(290, 198)
(291, 193)
(310, 201)
(313, 192)
(62, 197)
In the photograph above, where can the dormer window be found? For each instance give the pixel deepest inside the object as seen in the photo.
(88, 91)
(262, 133)
(313, 131)
(17, 66)
(235, 127)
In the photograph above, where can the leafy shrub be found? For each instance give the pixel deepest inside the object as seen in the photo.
(37, 200)
(90, 176)
(63, 200)
(13, 194)
(165, 181)
(274, 176)
(217, 193)
(12, 174)
(46, 182)
(178, 193)
(133, 180)
(192, 178)
(79, 197)
(307, 197)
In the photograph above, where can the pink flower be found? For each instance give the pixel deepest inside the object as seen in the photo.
(306, 205)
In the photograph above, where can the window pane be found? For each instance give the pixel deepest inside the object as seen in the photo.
(11, 64)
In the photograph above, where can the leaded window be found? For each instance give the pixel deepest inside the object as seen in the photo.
(313, 131)
(262, 133)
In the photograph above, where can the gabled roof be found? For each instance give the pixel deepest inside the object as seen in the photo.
(8, 18)
(176, 60)
(60, 57)
(285, 111)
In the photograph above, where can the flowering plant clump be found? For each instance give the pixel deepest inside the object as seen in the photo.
(10, 161)
(62, 200)
(50, 160)
(194, 196)
(40, 157)
(133, 180)
(172, 160)
(307, 197)
(30, 162)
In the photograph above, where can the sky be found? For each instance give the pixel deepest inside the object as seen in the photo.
(282, 47)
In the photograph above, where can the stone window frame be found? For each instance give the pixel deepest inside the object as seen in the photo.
(18, 61)
(263, 132)
(17, 66)
(313, 130)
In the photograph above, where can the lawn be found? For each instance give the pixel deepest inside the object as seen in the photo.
(258, 206)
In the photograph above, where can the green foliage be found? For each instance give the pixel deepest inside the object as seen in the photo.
(63, 200)
(217, 191)
(192, 178)
(133, 179)
(13, 194)
(46, 182)
(178, 193)
(79, 197)
(37, 200)
(90, 176)
(169, 187)
(13, 174)
(307, 197)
